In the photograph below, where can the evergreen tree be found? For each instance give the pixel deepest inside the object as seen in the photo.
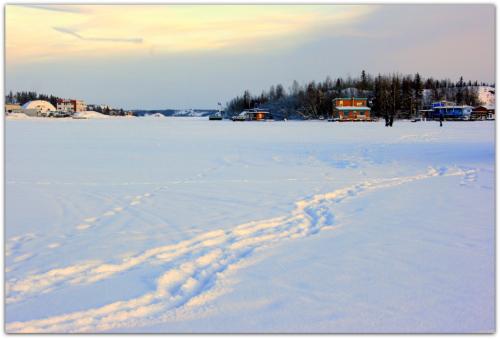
(247, 99)
(280, 92)
(295, 89)
(459, 93)
(338, 85)
(382, 100)
(435, 91)
(363, 83)
(272, 93)
(328, 84)
(407, 101)
(418, 92)
(395, 94)
(10, 98)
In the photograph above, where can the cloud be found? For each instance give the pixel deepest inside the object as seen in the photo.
(165, 29)
(58, 8)
(79, 36)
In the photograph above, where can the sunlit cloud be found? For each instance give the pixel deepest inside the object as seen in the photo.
(79, 36)
(35, 32)
(57, 8)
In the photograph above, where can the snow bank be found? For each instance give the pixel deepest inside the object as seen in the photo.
(154, 115)
(190, 113)
(17, 116)
(90, 115)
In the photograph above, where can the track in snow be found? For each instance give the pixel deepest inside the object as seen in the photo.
(197, 266)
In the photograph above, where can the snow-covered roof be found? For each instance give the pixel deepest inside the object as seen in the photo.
(352, 108)
(355, 98)
(40, 105)
(454, 106)
(487, 106)
(254, 111)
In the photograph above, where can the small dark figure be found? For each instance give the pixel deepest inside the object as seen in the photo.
(391, 120)
(441, 120)
(386, 118)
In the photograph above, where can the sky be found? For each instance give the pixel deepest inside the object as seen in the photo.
(194, 56)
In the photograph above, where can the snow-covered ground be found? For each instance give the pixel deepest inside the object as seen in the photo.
(486, 95)
(190, 225)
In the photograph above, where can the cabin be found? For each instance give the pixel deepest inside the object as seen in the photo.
(255, 114)
(484, 112)
(351, 109)
(12, 108)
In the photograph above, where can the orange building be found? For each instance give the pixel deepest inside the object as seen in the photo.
(351, 109)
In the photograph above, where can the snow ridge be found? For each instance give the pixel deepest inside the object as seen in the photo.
(195, 268)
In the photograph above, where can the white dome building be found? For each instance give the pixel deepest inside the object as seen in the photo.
(41, 106)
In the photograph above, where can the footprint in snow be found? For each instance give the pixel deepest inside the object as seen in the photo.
(82, 227)
(23, 257)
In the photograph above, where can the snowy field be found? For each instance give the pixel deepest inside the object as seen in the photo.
(189, 225)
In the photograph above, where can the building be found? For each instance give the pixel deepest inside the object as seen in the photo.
(483, 112)
(38, 108)
(256, 114)
(71, 105)
(351, 109)
(448, 110)
(12, 108)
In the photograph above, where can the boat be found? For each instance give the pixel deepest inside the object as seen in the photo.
(218, 115)
(215, 116)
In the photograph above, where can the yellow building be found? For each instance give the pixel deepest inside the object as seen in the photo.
(12, 108)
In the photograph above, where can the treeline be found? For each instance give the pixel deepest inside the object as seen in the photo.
(23, 97)
(394, 94)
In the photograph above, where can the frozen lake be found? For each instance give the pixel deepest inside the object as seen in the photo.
(189, 225)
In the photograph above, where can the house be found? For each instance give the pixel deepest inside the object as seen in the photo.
(12, 108)
(351, 109)
(448, 110)
(483, 112)
(256, 114)
(71, 105)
